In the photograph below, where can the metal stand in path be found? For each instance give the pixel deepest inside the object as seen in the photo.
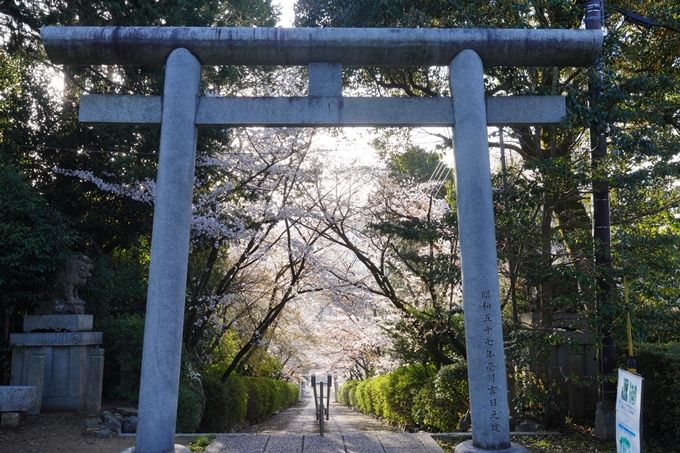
(181, 110)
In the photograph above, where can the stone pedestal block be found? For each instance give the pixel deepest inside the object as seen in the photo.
(94, 382)
(14, 398)
(36, 377)
(58, 323)
(66, 365)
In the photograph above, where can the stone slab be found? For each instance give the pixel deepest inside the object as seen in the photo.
(70, 323)
(362, 443)
(15, 398)
(328, 443)
(431, 446)
(56, 338)
(290, 443)
(325, 79)
(300, 46)
(238, 443)
(322, 111)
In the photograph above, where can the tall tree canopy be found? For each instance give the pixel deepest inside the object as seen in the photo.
(544, 218)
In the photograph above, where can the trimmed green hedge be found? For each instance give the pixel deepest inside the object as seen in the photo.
(266, 396)
(225, 403)
(190, 405)
(659, 365)
(243, 399)
(343, 392)
(440, 405)
(413, 396)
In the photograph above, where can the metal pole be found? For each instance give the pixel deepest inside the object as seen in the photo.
(316, 403)
(321, 409)
(601, 221)
(328, 397)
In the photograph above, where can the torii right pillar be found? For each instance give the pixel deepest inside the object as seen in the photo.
(481, 296)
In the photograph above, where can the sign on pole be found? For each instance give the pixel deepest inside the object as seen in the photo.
(629, 413)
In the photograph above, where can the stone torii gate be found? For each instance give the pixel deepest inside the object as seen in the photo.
(182, 109)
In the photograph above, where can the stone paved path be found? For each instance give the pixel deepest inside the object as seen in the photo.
(296, 430)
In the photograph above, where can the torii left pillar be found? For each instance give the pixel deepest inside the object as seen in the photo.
(169, 258)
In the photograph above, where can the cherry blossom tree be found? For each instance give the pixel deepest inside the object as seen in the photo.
(402, 236)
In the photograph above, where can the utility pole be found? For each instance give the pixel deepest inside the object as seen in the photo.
(602, 240)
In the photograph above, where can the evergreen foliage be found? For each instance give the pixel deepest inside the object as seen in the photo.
(412, 397)
(658, 364)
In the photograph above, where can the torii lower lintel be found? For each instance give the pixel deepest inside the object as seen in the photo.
(326, 111)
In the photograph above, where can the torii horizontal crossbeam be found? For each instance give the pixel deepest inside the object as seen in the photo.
(300, 46)
(322, 111)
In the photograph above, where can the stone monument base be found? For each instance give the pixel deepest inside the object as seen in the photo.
(68, 353)
(469, 447)
(58, 323)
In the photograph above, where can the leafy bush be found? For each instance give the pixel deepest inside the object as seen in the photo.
(237, 402)
(393, 396)
(216, 413)
(402, 387)
(528, 355)
(189, 410)
(123, 341)
(267, 395)
(353, 396)
(226, 403)
(364, 401)
(658, 365)
(343, 392)
(440, 405)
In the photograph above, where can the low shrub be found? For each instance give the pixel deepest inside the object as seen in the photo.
(343, 392)
(392, 396)
(353, 395)
(189, 410)
(216, 414)
(402, 386)
(266, 396)
(658, 364)
(441, 403)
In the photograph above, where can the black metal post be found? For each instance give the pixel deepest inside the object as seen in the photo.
(316, 403)
(601, 221)
(321, 409)
(328, 397)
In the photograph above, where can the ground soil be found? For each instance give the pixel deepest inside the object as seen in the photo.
(61, 432)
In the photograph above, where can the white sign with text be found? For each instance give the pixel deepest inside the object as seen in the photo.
(629, 413)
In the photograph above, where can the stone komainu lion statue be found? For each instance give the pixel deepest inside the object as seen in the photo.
(72, 275)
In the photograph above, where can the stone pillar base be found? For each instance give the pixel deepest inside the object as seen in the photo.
(469, 447)
(178, 449)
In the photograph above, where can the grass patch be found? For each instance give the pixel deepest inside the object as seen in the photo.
(199, 444)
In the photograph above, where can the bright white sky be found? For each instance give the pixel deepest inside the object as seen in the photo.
(286, 12)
